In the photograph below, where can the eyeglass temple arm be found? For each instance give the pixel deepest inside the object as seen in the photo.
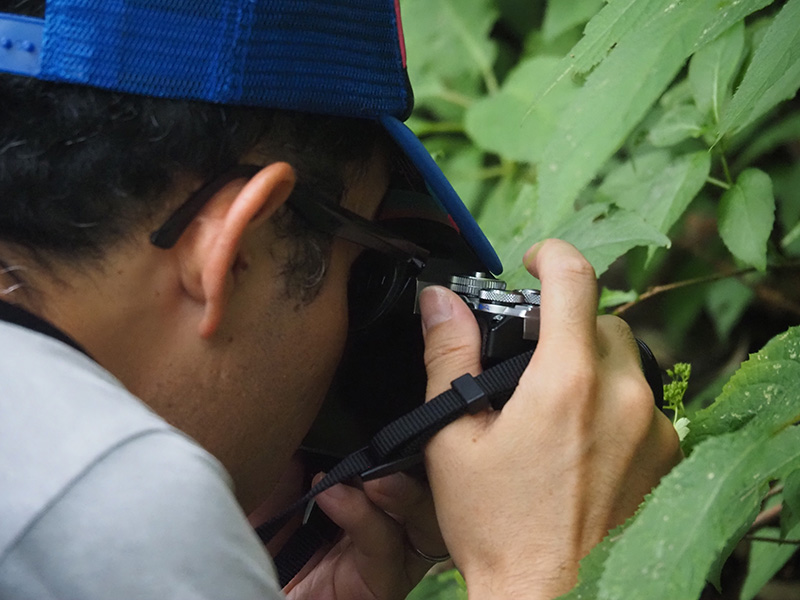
(347, 225)
(167, 235)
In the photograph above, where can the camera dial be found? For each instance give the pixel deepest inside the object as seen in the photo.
(508, 319)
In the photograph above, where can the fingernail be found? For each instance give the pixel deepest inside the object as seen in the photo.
(434, 306)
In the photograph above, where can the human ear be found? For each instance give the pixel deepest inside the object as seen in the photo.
(221, 227)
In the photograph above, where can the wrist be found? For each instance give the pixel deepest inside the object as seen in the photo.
(527, 591)
(520, 585)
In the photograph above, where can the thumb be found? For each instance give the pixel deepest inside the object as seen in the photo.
(452, 338)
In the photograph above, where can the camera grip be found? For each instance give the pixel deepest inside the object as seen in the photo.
(652, 373)
(502, 338)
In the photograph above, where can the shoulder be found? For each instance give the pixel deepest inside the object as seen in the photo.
(154, 518)
(102, 498)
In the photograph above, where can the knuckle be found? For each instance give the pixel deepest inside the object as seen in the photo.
(566, 259)
(635, 405)
(577, 267)
(451, 354)
(614, 326)
(614, 335)
(445, 362)
(669, 442)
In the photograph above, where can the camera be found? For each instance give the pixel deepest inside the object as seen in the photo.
(509, 324)
(382, 374)
(508, 319)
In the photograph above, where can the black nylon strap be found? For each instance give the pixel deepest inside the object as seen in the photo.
(317, 530)
(347, 469)
(411, 431)
(395, 447)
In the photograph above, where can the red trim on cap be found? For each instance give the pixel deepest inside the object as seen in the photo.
(400, 35)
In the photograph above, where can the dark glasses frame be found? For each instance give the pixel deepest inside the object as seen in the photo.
(327, 217)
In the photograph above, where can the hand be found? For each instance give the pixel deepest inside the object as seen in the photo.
(374, 559)
(524, 493)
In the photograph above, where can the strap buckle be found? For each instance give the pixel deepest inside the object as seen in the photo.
(472, 393)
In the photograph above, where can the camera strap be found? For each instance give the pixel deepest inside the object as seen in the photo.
(396, 447)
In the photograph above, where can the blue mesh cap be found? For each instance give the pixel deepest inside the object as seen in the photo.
(337, 57)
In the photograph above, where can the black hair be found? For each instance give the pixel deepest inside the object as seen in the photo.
(80, 167)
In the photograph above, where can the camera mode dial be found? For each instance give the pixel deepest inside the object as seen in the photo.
(472, 285)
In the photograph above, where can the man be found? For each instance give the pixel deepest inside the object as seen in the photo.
(172, 316)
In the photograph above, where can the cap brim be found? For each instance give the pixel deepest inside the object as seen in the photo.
(441, 188)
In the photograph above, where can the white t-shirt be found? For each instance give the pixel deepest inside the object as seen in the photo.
(100, 498)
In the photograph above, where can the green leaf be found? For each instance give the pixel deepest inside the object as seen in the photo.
(608, 27)
(602, 33)
(603, 234)
(669, 550)
(512, 206)
(786, 185)
(592, 567)
(504, 124)
(676, 125)
(620, 91)
(462, 164)
(763, 391)
(656, 186)
(782, 133)
(711, 70)
(441, 586)
(772, 76)
(715, 571)
(766, 559)
(611, 298)
(726, 301)
(790, 514)
(450, 54)
(511, 225)
(562, 16)
(680, 93)
(746, 217)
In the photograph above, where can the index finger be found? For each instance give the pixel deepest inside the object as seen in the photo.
(568, 309)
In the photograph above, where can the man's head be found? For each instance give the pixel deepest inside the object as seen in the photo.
(234, 332)
(80, 165)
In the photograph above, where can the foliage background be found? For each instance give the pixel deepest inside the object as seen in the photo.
(662, 138)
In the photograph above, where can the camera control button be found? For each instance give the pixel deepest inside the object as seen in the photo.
(507, 297)
(471, 285)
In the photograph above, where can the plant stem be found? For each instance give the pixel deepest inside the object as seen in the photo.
(757, 538)
(455, 97)
(791, 236)
(497, 171)
(725, 168)
(718, 182)
(767, 517)
(660, 289)
(432, 127)
(766, 294)
(490, 80)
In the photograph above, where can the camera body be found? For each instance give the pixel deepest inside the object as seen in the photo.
(508, 319)
(382, 374)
